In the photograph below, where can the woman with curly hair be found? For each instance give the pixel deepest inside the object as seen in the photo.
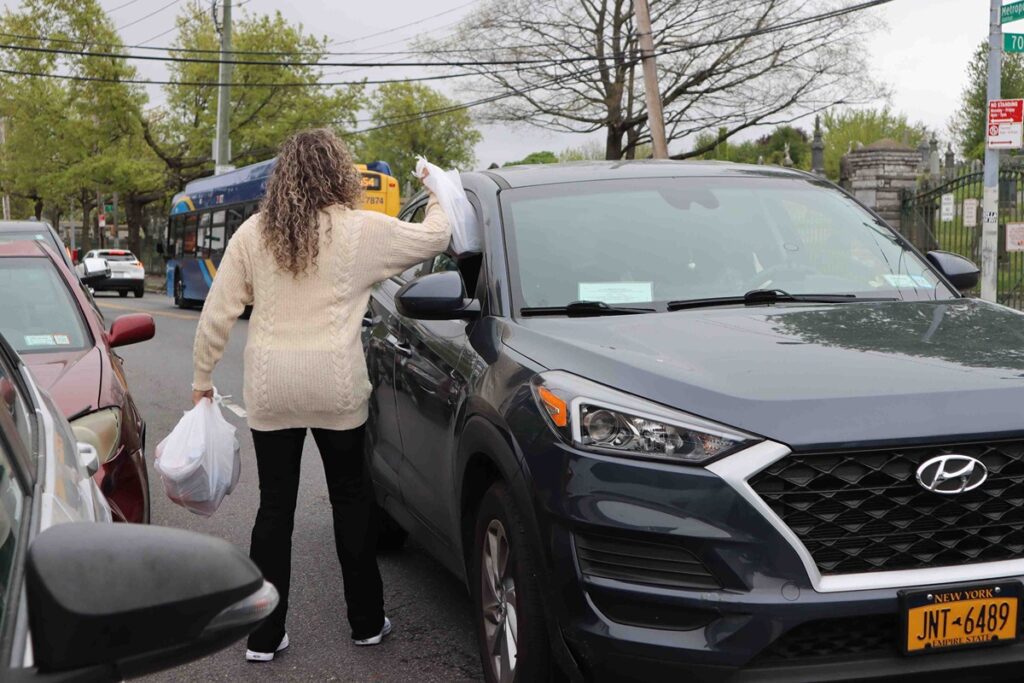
(306, 264)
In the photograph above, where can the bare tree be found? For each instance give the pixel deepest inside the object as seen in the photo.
(723, 65)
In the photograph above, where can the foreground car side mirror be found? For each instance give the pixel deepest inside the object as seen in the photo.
(438, 296)
(961, 272)
(94, 270)
(180, 596)
(131, 329)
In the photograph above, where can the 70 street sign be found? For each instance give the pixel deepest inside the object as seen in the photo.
(1013, 42)
(1012, 12)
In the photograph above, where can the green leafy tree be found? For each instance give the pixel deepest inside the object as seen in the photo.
(969, 122)
(69, 138)
(446, 140)
(536, 158)
(843, 129)
(268, 103)
(769, 149)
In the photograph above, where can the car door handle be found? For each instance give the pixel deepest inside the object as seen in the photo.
(399, 345)
(369, 320)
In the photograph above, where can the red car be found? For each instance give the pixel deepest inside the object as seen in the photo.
(49, 318)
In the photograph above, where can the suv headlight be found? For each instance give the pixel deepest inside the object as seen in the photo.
(101, 430)
(597, 418)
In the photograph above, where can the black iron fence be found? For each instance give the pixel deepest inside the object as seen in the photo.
(958, 227)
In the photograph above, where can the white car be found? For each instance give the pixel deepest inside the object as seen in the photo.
(126, 272)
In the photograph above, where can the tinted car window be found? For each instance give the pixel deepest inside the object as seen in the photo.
(12, 506)
(669, 239)
(37, 312)
(14, 405)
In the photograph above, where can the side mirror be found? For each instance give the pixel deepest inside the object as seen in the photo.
(438, 296)
(94, 270)
(179, 596)
(131, 329)
(961, 272)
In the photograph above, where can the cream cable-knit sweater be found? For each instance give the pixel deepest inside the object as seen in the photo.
(304, 364)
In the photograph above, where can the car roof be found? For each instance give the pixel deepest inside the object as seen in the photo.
(22, 226)
(582, 171)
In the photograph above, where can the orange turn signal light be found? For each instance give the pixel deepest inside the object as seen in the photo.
(556, 407)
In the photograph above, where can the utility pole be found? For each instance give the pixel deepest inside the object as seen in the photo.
(3, 141)
(990, 200)
(222, 143)
(655, 117)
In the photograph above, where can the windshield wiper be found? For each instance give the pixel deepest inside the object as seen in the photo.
(581, 309)
(757, 297)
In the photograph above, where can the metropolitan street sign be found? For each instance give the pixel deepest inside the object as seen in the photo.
(1013, 42)
(1012, 12)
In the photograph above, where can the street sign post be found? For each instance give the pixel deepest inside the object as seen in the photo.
(1012, 12)
(1005, 124)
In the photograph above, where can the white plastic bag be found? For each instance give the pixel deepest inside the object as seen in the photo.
(199, 460)
(447, 187)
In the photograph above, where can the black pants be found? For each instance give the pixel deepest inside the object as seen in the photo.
(278, 455)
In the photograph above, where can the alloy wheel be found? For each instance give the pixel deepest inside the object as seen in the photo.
(498, 602)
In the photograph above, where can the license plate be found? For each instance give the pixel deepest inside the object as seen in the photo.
(957, 617)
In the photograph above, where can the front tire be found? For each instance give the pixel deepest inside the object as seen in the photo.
(139, 293)
(504, 573)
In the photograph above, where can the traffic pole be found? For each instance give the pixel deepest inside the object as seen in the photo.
(990, 202)
(222, 143)
(655, 117)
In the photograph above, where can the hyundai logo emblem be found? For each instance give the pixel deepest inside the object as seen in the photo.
(948, 474)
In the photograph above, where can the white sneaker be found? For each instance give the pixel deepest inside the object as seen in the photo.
(252, 656)
(375, 640)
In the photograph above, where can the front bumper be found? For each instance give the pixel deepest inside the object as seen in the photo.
(766, 588)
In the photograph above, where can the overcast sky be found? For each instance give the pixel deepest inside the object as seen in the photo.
(921, 56)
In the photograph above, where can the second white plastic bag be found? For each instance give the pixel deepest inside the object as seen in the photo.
(447, 187)
(199, 460)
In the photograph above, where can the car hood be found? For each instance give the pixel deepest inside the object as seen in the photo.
(73, 379)
(844, 375)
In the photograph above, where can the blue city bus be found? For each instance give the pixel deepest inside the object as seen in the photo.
(208, 212)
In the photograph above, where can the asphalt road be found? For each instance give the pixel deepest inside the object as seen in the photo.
(433, 639)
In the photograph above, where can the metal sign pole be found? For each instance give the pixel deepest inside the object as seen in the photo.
(990, 202)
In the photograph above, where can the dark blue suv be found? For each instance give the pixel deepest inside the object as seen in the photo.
(697, 421)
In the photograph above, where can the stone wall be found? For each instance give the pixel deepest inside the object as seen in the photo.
(879, 173)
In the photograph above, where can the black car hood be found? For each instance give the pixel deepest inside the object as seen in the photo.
(841, 375)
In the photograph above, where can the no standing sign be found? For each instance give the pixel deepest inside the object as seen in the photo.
(1005, 124)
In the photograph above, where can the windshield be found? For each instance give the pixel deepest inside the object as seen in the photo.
(659, 240)
(37, 312)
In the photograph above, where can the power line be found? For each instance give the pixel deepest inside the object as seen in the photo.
(236, 84)
(850, 9)
(153, 13)
(258, 53)
(253, 62)
(130, 2)
(399, 28)
(689, 46)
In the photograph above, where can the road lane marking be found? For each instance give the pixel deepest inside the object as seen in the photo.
(136, 309)
(236, 409)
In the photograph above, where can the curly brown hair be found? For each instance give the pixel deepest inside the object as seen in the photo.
(314, 170)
